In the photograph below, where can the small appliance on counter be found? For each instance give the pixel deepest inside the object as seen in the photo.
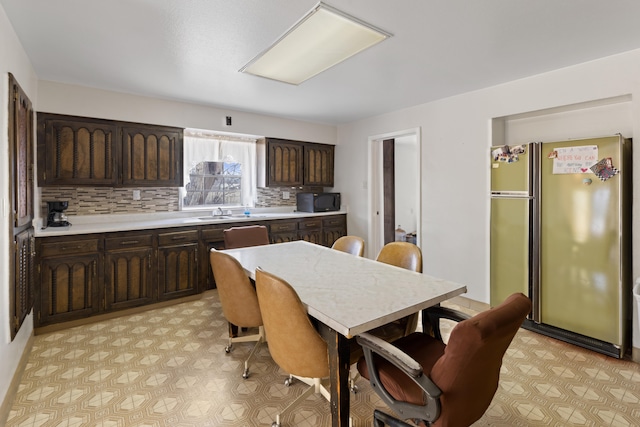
(318, 202)
(55, 214)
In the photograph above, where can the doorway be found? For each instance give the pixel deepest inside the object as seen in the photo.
(395, 187)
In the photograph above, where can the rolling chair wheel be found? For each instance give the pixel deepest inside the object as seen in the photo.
(354, 389)
(288, 382)
(275, 424)
(227, 349)
(245, 374)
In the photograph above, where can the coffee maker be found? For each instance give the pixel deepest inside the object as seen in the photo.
(55, 214)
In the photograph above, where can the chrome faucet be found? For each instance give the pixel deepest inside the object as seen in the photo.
(217, 212)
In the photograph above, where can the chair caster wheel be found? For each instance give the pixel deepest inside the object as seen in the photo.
(288, 382)
(354, 389)
(245, 374)
(275, 424)
(227, 349)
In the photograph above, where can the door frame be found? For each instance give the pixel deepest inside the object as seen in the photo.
(375, 196)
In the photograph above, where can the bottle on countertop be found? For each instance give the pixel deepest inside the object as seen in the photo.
(247, 212)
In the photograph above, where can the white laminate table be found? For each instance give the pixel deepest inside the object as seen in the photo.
(348, 295)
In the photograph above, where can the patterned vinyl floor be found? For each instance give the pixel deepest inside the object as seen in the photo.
(168, 367)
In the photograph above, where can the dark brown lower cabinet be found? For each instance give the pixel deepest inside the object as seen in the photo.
(310, 229)
(128, 263)
(85, 275)
(177, 264)
(70, 272)
(333, 227)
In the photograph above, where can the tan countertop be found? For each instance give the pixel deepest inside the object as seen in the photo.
(88, 224)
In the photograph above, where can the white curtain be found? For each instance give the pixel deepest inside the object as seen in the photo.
(202, 146)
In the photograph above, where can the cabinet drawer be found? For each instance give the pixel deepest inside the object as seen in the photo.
(177, 238)
(278, 227)
(310, 223)
(69, 247)
(213, 234)
(128, 242)
(334, 221)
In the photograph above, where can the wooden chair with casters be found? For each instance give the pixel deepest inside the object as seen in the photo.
(239, 302)
(404, 255)
(353, 245)
(435, 384)
(242, 237)
(294, 343)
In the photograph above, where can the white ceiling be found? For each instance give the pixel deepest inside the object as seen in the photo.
(191, 50)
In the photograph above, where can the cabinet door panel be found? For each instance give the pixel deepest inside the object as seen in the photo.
(284, 162)
(128, 278)
(318, 165)
(21, 294)
(151, 156)
(76, 151)
(20, 154)
(68, 288)
(177, 271)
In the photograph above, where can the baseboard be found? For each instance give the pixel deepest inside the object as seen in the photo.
(112, 315)
(635, 354)
(7, 403)
(469, 303)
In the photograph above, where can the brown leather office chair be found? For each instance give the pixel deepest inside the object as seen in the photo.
(294, 343)
(350, 244)
(239, 302)
(242, 237)
(435, 384)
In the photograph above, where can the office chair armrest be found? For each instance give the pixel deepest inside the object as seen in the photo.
(371, 345)
(435, 313)
(391, 353)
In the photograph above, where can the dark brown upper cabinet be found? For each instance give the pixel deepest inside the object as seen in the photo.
(82, 151)
(296, 163)
(318, 164)
(151, 156)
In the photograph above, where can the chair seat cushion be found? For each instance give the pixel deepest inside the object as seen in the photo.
(425, 349)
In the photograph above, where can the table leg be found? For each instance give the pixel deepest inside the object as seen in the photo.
(339, 372)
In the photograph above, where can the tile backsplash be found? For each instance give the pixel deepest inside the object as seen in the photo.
(109, 200)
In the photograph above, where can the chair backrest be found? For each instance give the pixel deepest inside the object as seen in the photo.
(242, 237)
(469, 370)
(294, 343)
(237, 294)
(350, 244)
(402, 254)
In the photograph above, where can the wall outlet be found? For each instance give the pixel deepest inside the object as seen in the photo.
(136, 194)
(285, 195)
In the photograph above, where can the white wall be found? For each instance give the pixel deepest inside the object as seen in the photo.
(14, 60)
(456, 136)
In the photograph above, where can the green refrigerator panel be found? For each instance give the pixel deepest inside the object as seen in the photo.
(510, 176)
(580, 245)
(509, 268)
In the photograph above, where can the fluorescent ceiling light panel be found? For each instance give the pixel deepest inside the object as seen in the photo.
(321, 39)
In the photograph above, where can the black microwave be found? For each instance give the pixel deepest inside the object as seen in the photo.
(318, 202)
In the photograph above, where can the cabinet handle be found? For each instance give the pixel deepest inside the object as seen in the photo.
(129, 242)
(178, 238)
(94, 268)
(149, 259)
(66, 248)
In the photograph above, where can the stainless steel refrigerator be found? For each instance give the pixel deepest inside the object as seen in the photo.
(560, 233)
